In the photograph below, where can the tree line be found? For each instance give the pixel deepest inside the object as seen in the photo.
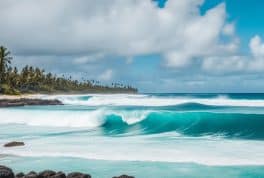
(35, 80)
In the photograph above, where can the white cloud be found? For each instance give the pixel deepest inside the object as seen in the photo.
(257, 47)
(225, 64)
(88, 59)
(177, 59)
(229, 29)
(125, 28)
(106, 75)
(237, 63)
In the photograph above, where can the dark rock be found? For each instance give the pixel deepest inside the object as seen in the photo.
(25, 101)
(58, 175)
(6, 172)
(78, 175)
(12, 144)
(20, 175)
(124, 176)
(31, 174)
(46, 174)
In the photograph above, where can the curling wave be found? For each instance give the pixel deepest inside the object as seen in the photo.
(120, 122)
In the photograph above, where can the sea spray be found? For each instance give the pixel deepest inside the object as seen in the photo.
(210, 129)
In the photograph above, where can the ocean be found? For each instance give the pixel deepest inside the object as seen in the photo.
(143, 135)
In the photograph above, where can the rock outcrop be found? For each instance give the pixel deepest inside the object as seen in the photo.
(78, 175)
(13, 144)
(31, 174)
(46, 173)
(58, 175)
(26, 101)
(20, 175)
(124, 176)
(6, 172)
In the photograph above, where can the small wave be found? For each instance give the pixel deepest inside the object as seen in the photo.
(149, 100)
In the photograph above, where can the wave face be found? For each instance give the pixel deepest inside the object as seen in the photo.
(247, 126)
(229, 125)
(213, 129)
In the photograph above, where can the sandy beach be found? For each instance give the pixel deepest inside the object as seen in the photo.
(27, 96)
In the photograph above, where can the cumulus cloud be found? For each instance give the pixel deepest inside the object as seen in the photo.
(237, 63)
(257, 47)
(90, 38)
(88, 59)
(125, 28)
(229, 29)
(200, 38)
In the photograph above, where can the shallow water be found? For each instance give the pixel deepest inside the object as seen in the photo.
(106, 169)
(191, 135)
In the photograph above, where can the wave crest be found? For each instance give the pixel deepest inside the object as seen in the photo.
(150, 100)
(117, 122)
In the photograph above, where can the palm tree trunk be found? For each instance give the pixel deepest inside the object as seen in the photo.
(1, 68)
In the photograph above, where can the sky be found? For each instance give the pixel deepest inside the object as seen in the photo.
(184, 46)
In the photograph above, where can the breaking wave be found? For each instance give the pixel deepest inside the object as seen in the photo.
(121, 122)
(153, 100)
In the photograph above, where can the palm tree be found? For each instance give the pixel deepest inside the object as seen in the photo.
(5, 60)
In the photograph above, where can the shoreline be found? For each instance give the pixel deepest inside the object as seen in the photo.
(13, 97)
(37, 96)
(22, 101)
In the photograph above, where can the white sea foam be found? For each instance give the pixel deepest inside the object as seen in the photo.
(52, 118)
(167, 147)
(148, 100)
(64, 118)
(146, 148)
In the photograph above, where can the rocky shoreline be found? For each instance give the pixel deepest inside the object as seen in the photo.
(27, 102)
(6, 172)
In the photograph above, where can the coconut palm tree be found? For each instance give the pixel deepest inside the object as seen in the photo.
(5, 60)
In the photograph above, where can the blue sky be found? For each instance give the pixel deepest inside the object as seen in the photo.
(247, 16)
(162, 46)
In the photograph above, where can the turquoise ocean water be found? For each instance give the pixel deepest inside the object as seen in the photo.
(145, 135)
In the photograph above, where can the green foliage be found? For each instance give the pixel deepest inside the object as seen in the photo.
(36, 80)
(5, 60)
(7, 90)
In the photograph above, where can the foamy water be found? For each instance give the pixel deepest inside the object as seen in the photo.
(146, 100)
(218, 130)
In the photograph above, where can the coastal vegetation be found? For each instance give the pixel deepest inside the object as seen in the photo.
(35, 80)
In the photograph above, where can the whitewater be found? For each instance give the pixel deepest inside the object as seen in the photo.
(137, 133)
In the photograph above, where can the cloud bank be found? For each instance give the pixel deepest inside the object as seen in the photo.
(179, 32)
(92, 37)
(236, 63)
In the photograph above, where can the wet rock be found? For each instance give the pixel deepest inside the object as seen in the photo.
(124, 176)
(31, 174)
(14, 143)
(78, 175)
(46, 174)
(25, 101)
(58, 175)
(6, 172)
(20, 175)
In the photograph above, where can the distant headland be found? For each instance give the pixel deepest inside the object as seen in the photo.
(33, 80)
